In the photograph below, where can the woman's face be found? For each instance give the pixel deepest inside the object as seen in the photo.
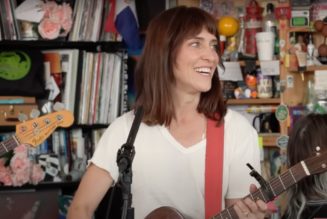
(196, 62)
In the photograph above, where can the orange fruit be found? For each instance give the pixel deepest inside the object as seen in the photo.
(227, 26)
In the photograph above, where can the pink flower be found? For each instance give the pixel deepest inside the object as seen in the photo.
(49, 29)
(61, 13)
(57, 20)
(20, 177)
(5, 176)
(20, 162)
(2, 161)
(37, 174)
(48, 7)
(21, 170)
(66, 26)
(22, 149)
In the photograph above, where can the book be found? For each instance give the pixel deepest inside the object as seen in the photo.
(114, 101)
(17, 100)
(54, 59)
(69, 68)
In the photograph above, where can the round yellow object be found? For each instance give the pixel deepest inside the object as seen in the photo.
(227, 26)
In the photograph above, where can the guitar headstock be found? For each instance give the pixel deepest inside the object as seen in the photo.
(35, 131)
(317, 164)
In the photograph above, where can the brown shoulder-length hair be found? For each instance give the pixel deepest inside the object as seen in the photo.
(307, 133)
(154, 75)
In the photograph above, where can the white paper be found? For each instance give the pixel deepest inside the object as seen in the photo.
(30, 10)
(47, 76)
(232, 72)
(54, 89)
(270, 68)
(320, 78)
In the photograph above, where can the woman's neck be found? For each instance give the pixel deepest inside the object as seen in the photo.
(188, 127)
(185, 105)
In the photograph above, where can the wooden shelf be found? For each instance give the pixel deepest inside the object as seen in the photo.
(310, 68)
(55, 44)
(253, 101)
(43, 185)
(242, 63)
(269, 139)
(301, 29)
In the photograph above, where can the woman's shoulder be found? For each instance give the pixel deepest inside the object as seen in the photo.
(122, 121)
(235, 120)
(233, 115)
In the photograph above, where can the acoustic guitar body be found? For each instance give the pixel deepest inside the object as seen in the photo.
(165, 213)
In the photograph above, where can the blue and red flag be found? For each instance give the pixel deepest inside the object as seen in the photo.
(122, 18)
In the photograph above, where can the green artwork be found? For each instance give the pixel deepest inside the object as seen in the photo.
(14, 65)
(282, 141)
(281, 113)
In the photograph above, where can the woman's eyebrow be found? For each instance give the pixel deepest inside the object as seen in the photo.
(202, 39)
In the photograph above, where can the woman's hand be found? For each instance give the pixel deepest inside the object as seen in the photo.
(249, 209)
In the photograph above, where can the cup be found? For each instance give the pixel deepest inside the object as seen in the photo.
(265, 45)
(266, 123)
(264, 86)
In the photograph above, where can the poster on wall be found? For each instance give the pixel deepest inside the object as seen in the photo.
(219, 8)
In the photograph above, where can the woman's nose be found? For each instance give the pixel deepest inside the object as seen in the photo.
(210, 55)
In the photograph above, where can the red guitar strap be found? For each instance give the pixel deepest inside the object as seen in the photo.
(214, 168)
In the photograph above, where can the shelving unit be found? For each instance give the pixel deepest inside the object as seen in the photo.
(253, 101)
(311, 68)
(295, 94)
(105, 65)
(269, 139)
(67, 187)
(51, 44)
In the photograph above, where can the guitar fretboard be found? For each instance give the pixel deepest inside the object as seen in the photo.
(277, 185)
(8, 145)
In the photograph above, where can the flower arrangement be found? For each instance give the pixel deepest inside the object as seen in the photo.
(20, 169)
(56, 21)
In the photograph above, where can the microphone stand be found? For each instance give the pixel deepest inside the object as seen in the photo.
(125, 156)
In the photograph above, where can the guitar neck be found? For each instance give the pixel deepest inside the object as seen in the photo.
(277, 185)
(8, 145)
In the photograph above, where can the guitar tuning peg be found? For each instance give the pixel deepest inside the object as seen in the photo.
(22, 117)
(35, 113)
(58, 106)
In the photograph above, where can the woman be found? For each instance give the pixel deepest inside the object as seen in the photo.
(308, 133)
(178, 87)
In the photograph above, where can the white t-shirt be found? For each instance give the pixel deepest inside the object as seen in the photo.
(167, 174)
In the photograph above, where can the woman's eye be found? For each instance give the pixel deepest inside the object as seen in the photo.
(215, 46)
(195, 44)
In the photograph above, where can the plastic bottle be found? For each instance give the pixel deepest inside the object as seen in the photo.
(270, 25)
(253, 25)
(264, 85)
(310, 51)
(269, 20)
(241, 34)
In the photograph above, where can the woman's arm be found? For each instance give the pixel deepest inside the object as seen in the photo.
(94, 185)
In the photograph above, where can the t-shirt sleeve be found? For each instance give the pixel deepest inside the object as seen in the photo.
(105, 154)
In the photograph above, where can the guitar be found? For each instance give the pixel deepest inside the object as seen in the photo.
(311, 166)
(35, 131)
